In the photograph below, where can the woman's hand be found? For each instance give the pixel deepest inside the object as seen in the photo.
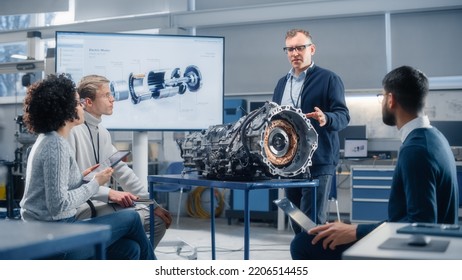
(104, 176)
(90, 169)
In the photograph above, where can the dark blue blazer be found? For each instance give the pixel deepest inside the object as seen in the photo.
(324, 89)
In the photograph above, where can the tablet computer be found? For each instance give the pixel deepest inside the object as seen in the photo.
(295, 213)
(451, 230)
(144, 201)
(109, 162)
(116, 158)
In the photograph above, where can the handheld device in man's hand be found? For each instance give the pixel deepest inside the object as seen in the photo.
(109, 162)
(144, 201)
(295, 213)
(116, 157)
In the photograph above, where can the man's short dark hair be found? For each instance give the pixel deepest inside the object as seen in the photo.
(293, 32)
(409, 86)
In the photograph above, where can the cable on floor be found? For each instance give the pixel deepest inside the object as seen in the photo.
(195, 203)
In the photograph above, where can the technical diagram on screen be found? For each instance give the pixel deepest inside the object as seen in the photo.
(355, 148)
(296, 214)
(158, 82)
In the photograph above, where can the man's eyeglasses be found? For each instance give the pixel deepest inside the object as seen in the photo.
(107, 95)
(297, 48)
(381, 96)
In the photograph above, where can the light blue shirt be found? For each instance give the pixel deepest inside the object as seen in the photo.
(294, 88)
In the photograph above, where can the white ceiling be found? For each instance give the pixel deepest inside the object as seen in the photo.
(181, 14)
(19, 7)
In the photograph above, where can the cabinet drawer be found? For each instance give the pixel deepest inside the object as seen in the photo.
(371, 192)
(371, 187)
(372, 173)
(369, 211)
(371, 181)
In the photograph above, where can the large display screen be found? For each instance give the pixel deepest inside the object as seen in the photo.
(159, 82)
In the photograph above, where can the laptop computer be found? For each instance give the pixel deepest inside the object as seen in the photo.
(295, 213)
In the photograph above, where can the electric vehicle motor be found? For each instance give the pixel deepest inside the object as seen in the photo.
(272, 141)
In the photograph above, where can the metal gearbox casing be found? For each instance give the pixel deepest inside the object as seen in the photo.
(272, 141)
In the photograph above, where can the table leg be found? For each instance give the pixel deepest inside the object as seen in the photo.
(9, 192)
(99, 251)
(314, 216)
(246, 224)
(151, 214)
(212, 221)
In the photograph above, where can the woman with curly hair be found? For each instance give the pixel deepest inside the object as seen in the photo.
(54, 187)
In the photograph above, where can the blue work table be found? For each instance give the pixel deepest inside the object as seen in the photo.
(33, 240)
(247, 186)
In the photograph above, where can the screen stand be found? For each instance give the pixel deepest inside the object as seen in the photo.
(140, 155)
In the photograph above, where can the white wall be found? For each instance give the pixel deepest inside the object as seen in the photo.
(352, 46)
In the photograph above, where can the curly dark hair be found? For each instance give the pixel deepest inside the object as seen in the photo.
(49, 103)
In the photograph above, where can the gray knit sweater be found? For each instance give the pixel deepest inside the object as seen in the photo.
(80, 141)
(53, 188)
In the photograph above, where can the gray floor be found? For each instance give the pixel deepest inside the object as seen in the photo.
(192, 240)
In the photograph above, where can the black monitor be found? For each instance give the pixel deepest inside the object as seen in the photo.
(351, 132)
(452, 130)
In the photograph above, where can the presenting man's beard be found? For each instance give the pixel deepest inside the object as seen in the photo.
(387, 117)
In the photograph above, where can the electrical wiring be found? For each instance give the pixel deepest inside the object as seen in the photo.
(206, 249)
(195, 203)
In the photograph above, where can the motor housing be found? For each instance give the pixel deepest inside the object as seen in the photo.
(272, 141)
